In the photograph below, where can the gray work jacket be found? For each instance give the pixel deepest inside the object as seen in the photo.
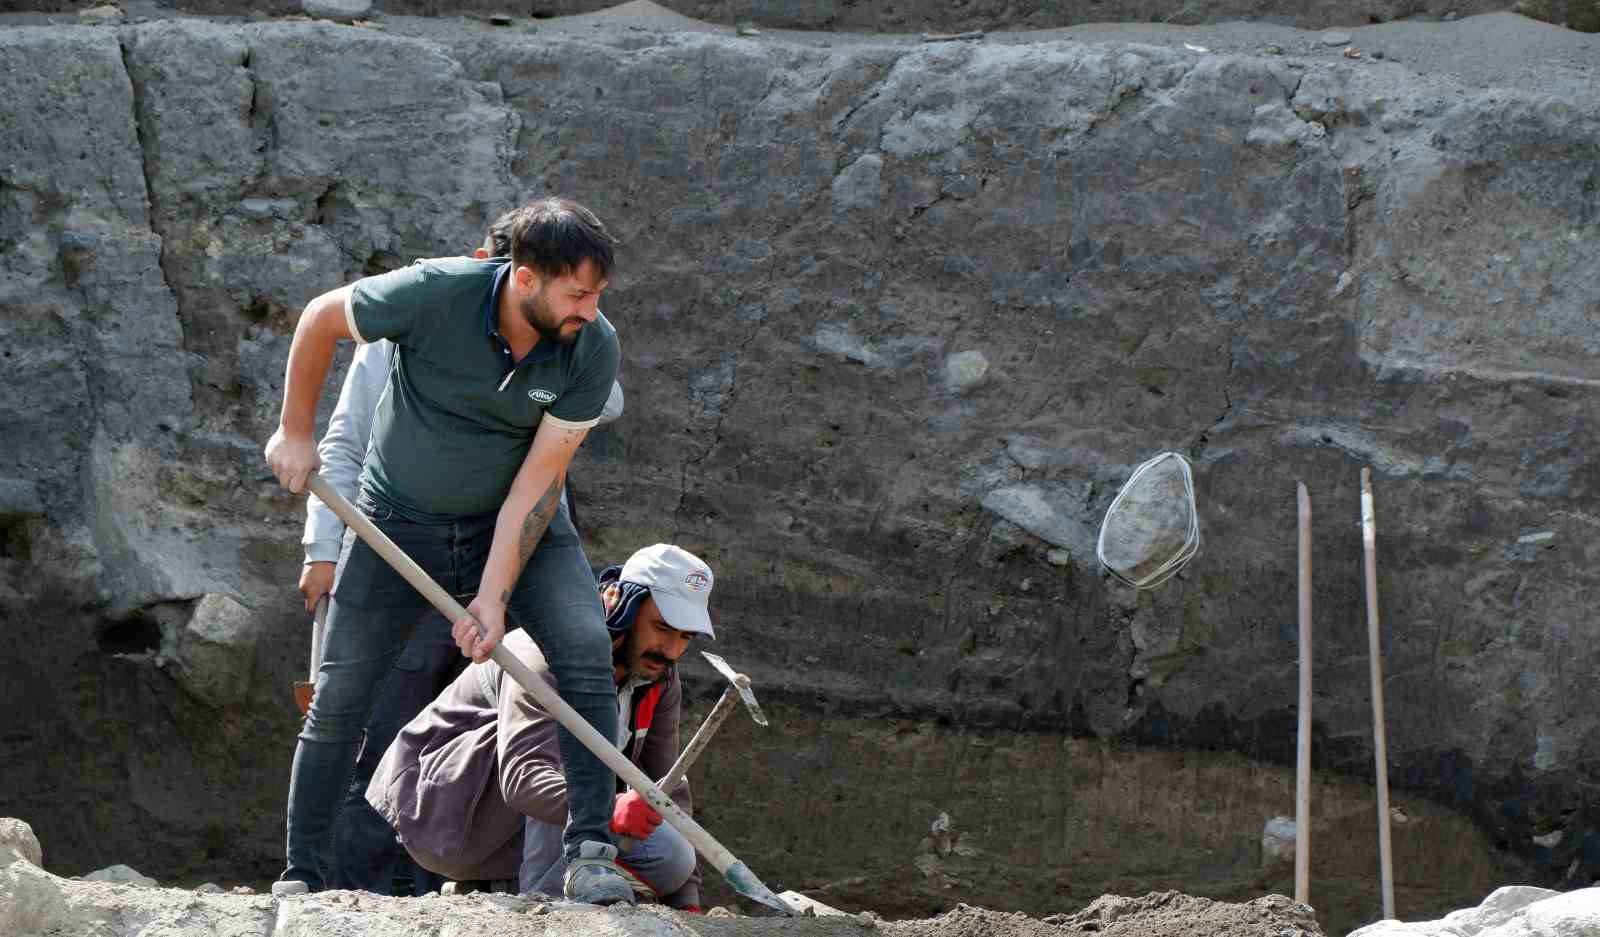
(461, 776)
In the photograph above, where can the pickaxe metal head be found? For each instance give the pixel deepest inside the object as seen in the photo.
(741, 683)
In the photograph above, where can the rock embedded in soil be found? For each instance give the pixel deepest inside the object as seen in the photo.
(965, 370)
(216, 650)
(122, 875)
(340, 11)
(1151, 524)
(1277, 842)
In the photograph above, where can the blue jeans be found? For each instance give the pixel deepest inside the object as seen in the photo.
(367, 854)
(370, 619)
(664, 860)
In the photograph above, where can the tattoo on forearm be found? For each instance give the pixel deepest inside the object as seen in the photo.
(537, 521)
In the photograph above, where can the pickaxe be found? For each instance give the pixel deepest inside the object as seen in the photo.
(738, 689)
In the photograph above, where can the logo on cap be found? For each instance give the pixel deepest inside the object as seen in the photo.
(696, 581)
(542, 395)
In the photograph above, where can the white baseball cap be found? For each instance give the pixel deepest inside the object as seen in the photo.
(679, 581)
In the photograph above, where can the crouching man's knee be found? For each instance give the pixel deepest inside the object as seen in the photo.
(664, 861)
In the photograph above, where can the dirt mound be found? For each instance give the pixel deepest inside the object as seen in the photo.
(35, 902)
(1174, 914)
(967, 921)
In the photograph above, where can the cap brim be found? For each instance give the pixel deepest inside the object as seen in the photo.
(682, 614)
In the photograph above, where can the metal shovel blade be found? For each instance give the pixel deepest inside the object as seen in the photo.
(742, 682)
(745, 883)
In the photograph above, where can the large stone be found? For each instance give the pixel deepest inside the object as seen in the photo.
(1047, 513)
(215, 652)
(1151, 525)
(1512, 911)
(18, 842)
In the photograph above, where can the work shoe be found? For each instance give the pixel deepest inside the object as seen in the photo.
(290, 887)
(593, 877)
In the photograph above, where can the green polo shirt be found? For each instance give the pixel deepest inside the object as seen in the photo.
(458, 415)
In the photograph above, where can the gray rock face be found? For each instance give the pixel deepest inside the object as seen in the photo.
(1285, 268)
(18, 842)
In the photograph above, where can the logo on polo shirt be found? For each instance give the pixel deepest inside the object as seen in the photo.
(542, 395)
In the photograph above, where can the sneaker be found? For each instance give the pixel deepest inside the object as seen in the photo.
(593, 877)
(289, 888)
(642, 892)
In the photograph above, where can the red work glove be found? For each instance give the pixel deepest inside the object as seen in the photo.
(633, 816)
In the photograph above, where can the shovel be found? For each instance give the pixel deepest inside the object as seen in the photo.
(737, 873)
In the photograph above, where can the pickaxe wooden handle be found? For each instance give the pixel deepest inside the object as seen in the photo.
(691, 752)
(738, 687)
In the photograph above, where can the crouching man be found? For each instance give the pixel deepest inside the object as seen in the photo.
(474, 787)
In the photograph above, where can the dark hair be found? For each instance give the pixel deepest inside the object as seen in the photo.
(555, 236)
(498, 241)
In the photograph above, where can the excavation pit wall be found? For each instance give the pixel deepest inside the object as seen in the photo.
(1286, 264)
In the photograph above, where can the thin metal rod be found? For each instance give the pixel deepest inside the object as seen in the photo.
(1380, 748)
(737, 873)
(1302, 778)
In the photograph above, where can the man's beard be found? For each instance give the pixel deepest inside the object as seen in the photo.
(536, 312)
(627, 655)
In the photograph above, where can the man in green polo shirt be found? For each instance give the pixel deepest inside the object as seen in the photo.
(500, 368)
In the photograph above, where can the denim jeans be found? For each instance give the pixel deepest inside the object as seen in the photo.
(367, 854)
(664, 860)
(370, 619)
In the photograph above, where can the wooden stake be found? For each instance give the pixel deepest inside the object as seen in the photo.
(1302, 786)
(1380, 753)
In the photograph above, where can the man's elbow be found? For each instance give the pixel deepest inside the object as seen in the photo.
(328, 316)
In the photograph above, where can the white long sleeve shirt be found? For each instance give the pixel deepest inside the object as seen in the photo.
(343, 448)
